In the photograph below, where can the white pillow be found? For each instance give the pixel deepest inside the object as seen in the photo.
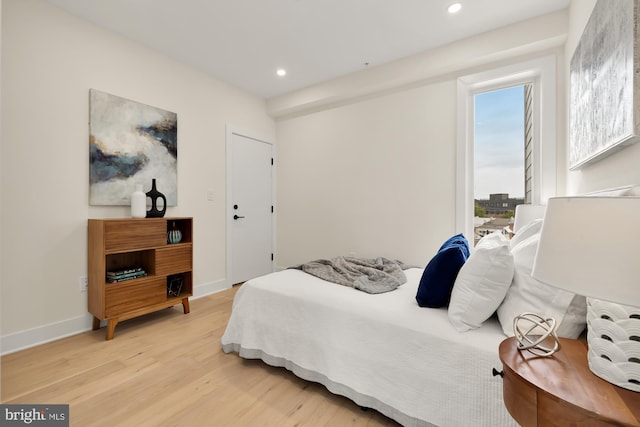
(527, 294)
(527, 231)
(482, 283)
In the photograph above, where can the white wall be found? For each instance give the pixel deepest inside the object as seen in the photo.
(1, 192)
(50, 60)
(619, 169)
(374, 178)
(374, 174)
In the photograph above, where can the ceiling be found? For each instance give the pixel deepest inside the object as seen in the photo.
(244, 42)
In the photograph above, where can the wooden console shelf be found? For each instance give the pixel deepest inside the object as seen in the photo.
(126, 243)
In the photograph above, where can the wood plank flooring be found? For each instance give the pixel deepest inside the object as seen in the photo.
(167, 369)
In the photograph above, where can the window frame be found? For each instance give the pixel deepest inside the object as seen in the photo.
(542, 73)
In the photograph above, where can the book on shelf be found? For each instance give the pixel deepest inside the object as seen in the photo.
(128, 270)
(121, 276)
(126, 277)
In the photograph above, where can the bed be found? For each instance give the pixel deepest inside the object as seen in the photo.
(382, 351)
(420, 366)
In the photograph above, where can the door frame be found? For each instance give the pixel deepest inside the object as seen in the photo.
(230, 131)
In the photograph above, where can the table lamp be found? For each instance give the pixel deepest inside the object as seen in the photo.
(591, 246)
(525, 214)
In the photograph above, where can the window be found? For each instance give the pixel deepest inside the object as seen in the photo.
(541, 74)
(500, 123)
(499, 148)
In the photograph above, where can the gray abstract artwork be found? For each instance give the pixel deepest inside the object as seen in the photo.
(603, 84)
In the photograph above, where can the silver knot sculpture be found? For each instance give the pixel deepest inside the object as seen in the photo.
(543, 330)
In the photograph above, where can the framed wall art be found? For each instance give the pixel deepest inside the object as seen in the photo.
(604, 85)
(130, 143)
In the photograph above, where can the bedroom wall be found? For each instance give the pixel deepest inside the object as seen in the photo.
(373, 173)
(1, 180)
(374, 178)
(50, 60)
(619, 169)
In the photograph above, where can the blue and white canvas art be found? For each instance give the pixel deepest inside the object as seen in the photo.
(130, 143)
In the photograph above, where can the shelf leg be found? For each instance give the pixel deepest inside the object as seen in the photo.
(185, 305)
(111, 328)
(96, 324)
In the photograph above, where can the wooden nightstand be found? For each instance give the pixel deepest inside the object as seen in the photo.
(561, 390)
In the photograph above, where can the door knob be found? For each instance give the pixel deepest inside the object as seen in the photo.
(236, 217)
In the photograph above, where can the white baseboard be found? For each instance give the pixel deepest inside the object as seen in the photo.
(210, 288)
(44, 334)
(55, 331)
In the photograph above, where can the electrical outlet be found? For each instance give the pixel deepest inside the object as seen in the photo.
(84, 284)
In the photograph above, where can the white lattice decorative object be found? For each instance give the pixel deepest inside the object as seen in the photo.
(532, 331)
(613, 336)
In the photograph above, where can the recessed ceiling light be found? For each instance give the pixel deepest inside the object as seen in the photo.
(455, 8)
(281, 72)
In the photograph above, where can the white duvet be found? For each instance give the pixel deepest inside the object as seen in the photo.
(382, 351)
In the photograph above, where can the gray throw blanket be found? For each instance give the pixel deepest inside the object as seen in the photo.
(374, 276)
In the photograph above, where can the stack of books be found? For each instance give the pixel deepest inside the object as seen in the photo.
(125, 274)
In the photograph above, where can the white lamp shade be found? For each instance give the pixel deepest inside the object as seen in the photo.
(527, 213)
(591, 246)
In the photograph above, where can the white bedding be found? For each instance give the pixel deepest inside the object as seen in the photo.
(382, 351)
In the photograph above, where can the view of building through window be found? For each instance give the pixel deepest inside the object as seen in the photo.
(499, 158)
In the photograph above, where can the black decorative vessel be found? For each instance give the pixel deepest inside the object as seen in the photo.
(154, 195)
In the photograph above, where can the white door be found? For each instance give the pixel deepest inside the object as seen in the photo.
(250, 208)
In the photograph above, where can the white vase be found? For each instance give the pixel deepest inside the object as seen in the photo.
(612, 338)
(138, 203)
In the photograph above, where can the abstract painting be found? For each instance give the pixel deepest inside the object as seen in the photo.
(130, 143)
(604, 87)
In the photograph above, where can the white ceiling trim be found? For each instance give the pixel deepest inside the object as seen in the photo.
(538, 35)
(244, 42)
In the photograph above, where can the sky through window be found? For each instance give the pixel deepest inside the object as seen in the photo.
(499, 143)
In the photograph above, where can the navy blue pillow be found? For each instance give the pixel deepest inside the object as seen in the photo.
(440, 274)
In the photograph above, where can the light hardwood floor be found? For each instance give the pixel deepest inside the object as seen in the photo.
(167, 369)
